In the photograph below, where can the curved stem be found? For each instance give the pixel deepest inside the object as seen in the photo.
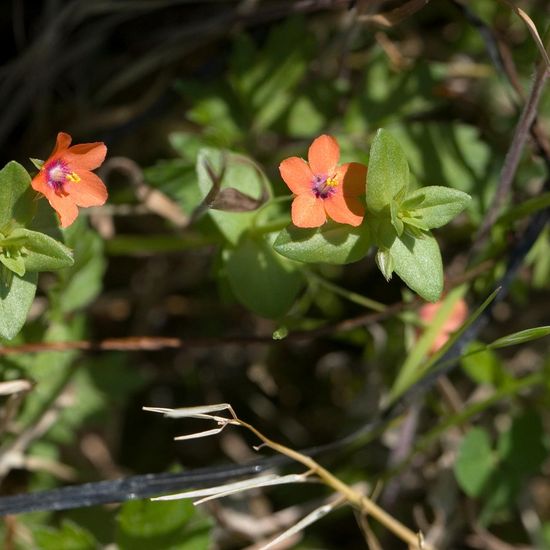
(357, 500)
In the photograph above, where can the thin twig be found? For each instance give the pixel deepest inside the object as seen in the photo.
(513, 156)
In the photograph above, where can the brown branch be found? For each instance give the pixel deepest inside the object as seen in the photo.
(524, 128)
(155, 343)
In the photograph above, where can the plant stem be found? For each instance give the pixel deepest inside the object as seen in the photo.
(359, 501)
(351, 296)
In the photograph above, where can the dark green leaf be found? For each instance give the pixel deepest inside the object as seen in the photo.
(521, 447)
(388, 173)
(332, 243)
(69, 536)
(16, 297)
(16, 196)
(418, 263)
(40, 252)
(475, 462)
(262, 280)
(170, 525)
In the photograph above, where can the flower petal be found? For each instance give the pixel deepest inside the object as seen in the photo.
(89, 191)
(296, 174)
(308, 211)
(62, 143)
(323, 155)
(353, 178)
(85, 156)
(40, 184)
(64, 206)
(342, 209)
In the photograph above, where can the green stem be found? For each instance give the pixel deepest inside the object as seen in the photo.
(349, 295)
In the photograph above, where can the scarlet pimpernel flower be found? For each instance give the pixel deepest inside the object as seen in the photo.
(66, 178)
(453, 322)
(324, 189)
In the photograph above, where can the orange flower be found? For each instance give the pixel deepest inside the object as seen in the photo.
(324, 189)
(453, 322)
(66, 180)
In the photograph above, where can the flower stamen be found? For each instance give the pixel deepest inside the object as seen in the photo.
(324, 186)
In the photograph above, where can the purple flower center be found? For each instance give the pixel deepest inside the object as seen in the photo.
(58, 174)
(323, 186)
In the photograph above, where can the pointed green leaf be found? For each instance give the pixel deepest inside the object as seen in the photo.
(40, 252)
(14, 262)
(520, 337)
(16, 196)
(388, 174)
(262, 280)
(417, 223)
(396, 221)
(418, 263)
(38, 163)
(332, 243)
(435, 206)
(16, 297)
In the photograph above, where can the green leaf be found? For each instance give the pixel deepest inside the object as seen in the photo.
(418, 262)
(69, 536)
(16, 196)
(16, 297)
(435, 206)
(484, 366)
(396, 220)
(81, 283)
(304, 119)
(170, 525)
(520, 337)
(521, 447)
(475, 462)
(262, 280)
(382, 230)
(332, 243)
(388, 173)
(237, 173)
(13, 261)
(40, 252)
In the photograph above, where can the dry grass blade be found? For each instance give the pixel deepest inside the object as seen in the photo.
(232, 488)
(14, 386)
(533, 30)
(193, 412)
(312, 517)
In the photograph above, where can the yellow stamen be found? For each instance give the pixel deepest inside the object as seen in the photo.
(332, 181)
(74, 177)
